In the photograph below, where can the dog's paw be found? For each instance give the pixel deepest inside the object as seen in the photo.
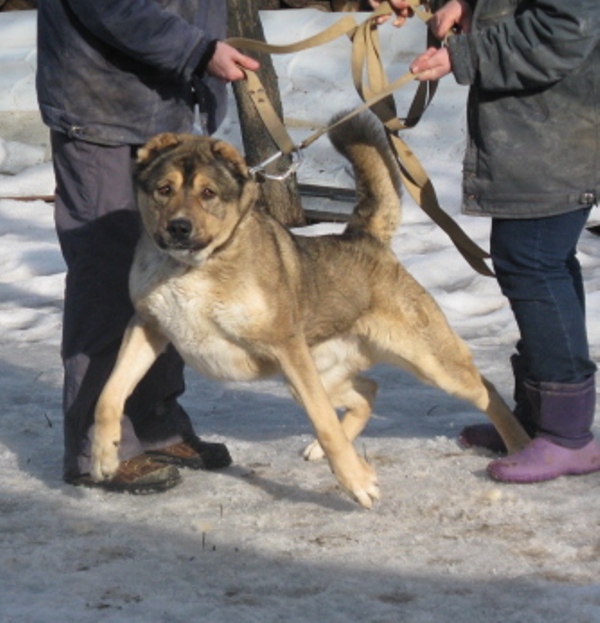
(313, 452)
(368, 490)
(365, 497)
(360, 481)
(105, 459)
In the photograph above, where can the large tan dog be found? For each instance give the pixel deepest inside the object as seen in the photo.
(242, 298)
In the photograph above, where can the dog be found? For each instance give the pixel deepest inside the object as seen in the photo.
(241, 297)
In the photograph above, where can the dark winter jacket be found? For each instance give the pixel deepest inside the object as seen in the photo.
(119, 72)
(534, 106)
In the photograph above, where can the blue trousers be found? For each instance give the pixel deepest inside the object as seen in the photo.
(537, 268)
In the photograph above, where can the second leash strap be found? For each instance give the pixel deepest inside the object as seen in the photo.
(377, 96)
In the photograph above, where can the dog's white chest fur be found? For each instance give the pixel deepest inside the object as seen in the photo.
(202, 321)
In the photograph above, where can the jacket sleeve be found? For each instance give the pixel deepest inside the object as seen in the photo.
(144, 31)
(534, 47)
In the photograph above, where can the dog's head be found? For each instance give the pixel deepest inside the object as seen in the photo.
(192, 192)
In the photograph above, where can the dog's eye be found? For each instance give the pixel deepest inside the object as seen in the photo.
(164, 190)
(208, 193)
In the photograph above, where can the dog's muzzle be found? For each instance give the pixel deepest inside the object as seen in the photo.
(180, 230)
(178, 235)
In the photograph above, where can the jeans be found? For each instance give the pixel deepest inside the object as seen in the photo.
(538, 271)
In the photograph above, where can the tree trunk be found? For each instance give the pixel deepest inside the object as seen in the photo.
(17, 5)
(281, 199)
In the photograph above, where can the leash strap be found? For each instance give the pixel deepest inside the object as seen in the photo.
(376, 92)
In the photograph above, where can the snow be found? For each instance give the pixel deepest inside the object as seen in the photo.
(272, 539)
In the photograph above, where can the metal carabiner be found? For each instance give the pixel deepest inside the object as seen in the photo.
(258, 170)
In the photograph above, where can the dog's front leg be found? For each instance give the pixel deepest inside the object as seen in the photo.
(354, 474)
(140, 347)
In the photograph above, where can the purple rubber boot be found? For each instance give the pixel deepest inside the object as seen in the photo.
(543, 460)
(485, 435)
(564, 445)
(482, 435)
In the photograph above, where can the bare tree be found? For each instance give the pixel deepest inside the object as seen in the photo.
(17, 5)
(280, 198)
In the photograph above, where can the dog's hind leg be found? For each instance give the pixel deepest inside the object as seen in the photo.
(139, 349)
(356, 396)
(439, 357)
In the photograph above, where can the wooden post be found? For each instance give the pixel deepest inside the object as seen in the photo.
(281, 199)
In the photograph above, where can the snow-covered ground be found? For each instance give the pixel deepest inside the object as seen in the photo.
(272, 539)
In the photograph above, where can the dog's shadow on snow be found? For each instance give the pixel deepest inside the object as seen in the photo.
(331, 497)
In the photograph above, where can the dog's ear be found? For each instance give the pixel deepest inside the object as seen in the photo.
(158, 143)
(231, 156)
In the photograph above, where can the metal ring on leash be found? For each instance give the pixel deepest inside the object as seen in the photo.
(258, 170)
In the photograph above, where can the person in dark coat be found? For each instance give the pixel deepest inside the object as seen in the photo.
(110, 76)
(532, 163)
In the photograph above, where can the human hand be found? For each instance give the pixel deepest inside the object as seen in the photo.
(402, 9)
(227, 63)
(454, 15)
(432, 65)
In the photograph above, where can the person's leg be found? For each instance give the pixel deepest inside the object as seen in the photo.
(537, 269)
(98, 227)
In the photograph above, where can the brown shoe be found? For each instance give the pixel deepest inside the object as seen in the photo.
(194, 454)
(139, 476)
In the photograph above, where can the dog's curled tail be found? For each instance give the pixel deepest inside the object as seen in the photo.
(362, 140)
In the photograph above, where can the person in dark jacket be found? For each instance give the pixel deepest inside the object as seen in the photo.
(110, 76)
(532, 163)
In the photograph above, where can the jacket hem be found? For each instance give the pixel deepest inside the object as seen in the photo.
(520, 212)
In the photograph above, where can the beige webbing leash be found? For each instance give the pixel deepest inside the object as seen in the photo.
(376, 92)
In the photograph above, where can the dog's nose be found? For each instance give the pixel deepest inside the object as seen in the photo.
(180, 229)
